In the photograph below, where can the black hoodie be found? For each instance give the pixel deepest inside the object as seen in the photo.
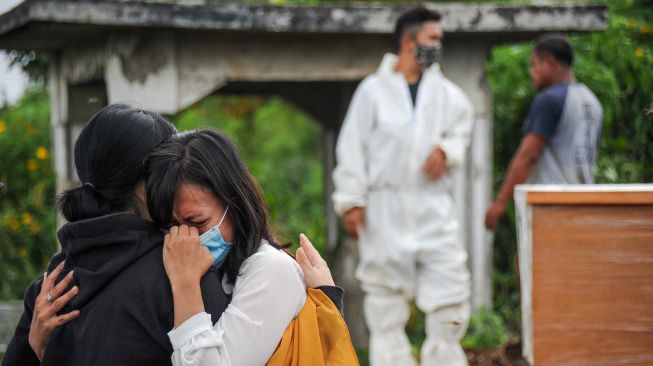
(124, 297)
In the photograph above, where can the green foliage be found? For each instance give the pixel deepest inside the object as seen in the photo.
(618, 66)
(486, 330)
(363, 356)
(27, 214)
(416, 328)
(281, 147)
(506, 302)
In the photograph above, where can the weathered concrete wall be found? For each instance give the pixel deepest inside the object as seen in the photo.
(75, 94)
(369, 18)
(143, 69)
(179, 70)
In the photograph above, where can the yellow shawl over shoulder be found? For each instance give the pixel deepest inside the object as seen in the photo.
(318, 336)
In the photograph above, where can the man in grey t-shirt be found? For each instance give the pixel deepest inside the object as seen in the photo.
(562, 132)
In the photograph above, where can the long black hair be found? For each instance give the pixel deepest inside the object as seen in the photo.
(209, 159)
(109, 156)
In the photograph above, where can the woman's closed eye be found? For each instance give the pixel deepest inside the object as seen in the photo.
(197, 224)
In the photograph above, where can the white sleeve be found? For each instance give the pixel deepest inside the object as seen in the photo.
(456, 134)
(350, 174)
(195, 342)
(267, 296)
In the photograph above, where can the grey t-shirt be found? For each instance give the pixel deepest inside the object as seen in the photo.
(569, 118)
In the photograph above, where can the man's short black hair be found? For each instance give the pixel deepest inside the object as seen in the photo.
(412, 20)
(557, 46)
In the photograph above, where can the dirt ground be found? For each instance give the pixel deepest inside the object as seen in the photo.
(508, 355)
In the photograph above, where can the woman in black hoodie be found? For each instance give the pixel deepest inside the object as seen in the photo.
(115, 254)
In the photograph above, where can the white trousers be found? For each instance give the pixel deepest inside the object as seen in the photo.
(386, 318)
(411, 249)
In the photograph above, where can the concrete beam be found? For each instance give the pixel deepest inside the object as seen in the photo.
(167, 72)
(369, 18)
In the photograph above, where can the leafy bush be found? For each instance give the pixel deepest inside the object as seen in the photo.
(27, 214)
(486, 330)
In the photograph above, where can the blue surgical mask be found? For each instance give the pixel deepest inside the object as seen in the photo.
(213, 240)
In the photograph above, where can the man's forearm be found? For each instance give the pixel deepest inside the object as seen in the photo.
(519, 170)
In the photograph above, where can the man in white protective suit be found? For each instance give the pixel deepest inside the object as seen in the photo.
(407, 126)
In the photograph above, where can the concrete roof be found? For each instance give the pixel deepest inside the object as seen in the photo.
(50, 24)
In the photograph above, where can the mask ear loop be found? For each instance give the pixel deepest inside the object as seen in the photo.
(223, 216)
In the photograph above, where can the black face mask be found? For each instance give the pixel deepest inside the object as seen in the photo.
(428, 55)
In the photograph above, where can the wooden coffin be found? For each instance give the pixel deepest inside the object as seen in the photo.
(586, 267)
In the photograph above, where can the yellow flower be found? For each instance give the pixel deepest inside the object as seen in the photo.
(639, 52)
(632, 23)
(22, 253)
(42, 153)
(27, 218)
(14, 224)
(30, 129)
(35, 228)
(3, 127)
(646, 30)
(31, 165)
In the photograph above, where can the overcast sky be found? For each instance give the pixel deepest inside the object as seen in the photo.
(12, 79)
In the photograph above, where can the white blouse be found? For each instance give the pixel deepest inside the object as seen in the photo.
(269, 293)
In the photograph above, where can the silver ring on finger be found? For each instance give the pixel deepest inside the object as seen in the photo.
(50, 298)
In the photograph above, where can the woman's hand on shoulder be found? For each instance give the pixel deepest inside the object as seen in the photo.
(184, 258)
(316, 270)
(50, 300)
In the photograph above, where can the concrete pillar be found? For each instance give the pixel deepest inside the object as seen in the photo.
(328, 137)
(58, 121)
(464, 64)
(340, 98)
(72, 105)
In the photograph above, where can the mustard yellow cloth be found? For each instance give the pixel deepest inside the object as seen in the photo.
(318, 336)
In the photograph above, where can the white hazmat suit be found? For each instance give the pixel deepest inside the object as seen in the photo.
(410, 247)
